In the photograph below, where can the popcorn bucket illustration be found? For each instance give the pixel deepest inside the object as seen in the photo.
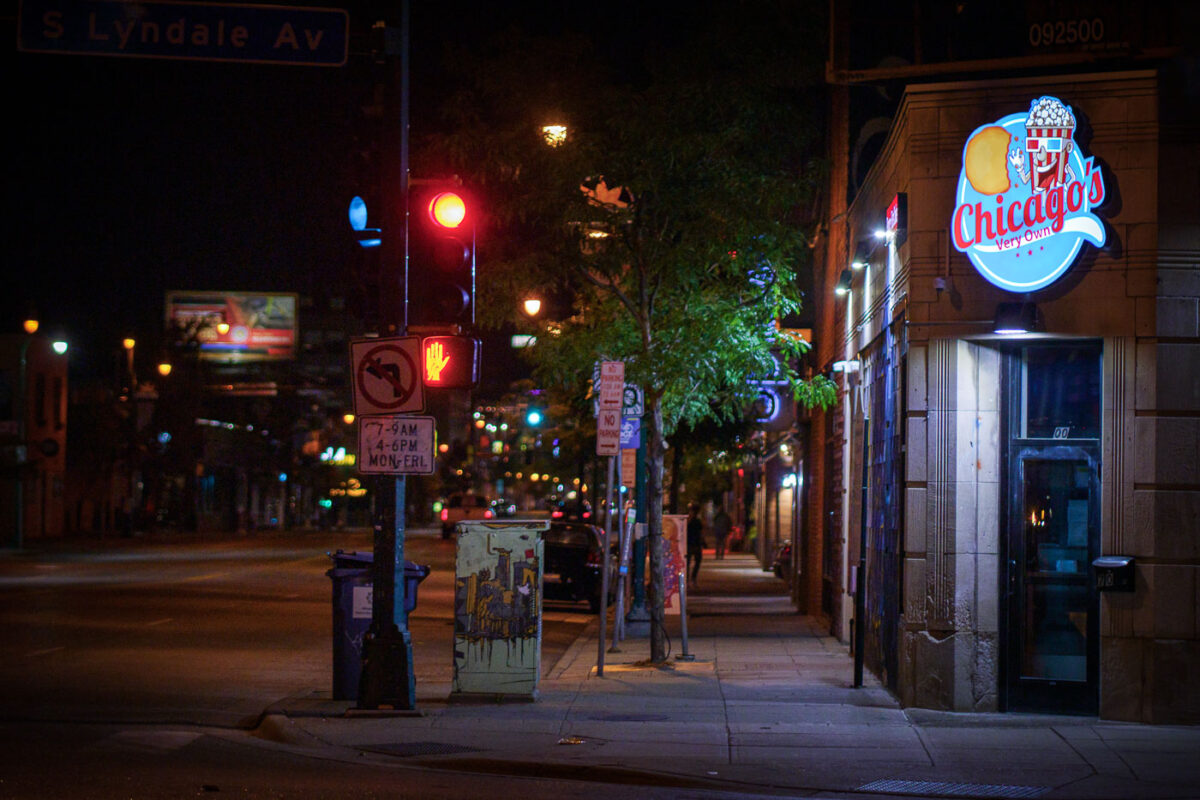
(1048, 151)
(1049, 131)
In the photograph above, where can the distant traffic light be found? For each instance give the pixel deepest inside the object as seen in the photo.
(450, 362)
(366, 237)
(441, 254)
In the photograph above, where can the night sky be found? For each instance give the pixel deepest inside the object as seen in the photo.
(131, 177)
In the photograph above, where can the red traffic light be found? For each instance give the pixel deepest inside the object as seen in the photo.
(447, 209)
(450, 362)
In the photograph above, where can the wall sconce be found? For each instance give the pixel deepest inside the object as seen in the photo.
(846, 366)
(1014, 319)
(843, 284)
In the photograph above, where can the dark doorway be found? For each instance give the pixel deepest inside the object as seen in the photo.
(1052, 501)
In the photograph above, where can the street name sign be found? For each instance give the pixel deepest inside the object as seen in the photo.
(396, 445)
(387, 375)
(185, 31)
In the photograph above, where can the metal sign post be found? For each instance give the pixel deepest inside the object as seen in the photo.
(608, 520)
(387, 671)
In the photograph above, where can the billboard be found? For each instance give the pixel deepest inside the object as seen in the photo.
(236, 326)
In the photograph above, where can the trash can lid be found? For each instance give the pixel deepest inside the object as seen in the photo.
(341, 557)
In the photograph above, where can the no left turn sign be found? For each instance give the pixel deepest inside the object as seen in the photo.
(387, 375)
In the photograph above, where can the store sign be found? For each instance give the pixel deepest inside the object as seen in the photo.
(1023, 207)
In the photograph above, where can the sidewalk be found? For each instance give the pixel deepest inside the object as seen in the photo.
(766, 706)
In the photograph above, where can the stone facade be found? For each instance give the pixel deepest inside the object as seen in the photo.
(1140, 295)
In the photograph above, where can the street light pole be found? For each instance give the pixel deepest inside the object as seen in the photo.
(22, 428)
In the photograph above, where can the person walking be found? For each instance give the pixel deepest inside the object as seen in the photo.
(695, 543)
(721, 525)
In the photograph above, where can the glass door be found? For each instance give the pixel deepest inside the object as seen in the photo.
(1053, 531)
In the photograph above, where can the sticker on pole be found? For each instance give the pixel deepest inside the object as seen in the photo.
(387, 375)
(396, 445)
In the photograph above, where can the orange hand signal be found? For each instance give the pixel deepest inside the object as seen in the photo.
(436, 360)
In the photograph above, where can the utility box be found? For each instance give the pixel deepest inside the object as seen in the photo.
(498, 610)
(1114, 573)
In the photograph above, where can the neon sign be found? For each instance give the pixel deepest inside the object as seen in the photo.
(1023, 207)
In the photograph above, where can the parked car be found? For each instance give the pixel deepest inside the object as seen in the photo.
(571, 510)
(461, 507)
(573, 558)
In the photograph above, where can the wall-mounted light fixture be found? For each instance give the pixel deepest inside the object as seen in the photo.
(1014, 319)
(843, 284)
(846, 366)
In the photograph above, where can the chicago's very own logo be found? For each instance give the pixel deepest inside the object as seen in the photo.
(1023, 206)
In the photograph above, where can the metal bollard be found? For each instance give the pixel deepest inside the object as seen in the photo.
(685, 655)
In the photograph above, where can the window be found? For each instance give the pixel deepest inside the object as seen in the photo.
(1060, 392)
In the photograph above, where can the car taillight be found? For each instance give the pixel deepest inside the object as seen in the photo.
(555, 514)
(593, 559)
(445, 514)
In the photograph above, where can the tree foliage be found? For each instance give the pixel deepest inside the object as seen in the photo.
(673, 219)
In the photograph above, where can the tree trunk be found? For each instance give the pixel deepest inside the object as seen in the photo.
(655, 452)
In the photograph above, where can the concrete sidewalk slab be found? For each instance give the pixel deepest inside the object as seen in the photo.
(766, 706)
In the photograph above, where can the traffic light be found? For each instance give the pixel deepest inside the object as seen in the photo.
(441, 254)
(366, 237)
(450, 362)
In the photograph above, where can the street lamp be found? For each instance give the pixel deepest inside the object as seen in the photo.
(128, 343)
(164, 368)
(532, 306)
(554, 134)
(30, 326)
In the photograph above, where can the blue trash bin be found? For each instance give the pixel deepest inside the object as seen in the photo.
(351, 576)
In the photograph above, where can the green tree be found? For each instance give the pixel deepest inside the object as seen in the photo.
(674, 216)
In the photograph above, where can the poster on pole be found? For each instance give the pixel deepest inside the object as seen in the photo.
(674, 533)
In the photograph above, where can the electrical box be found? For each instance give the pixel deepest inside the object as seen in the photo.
(1114, 573)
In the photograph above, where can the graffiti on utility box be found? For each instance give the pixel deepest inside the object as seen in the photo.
(498, 608)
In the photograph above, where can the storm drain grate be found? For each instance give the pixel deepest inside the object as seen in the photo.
(409, 749)
(630, 717)
(945, 789)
